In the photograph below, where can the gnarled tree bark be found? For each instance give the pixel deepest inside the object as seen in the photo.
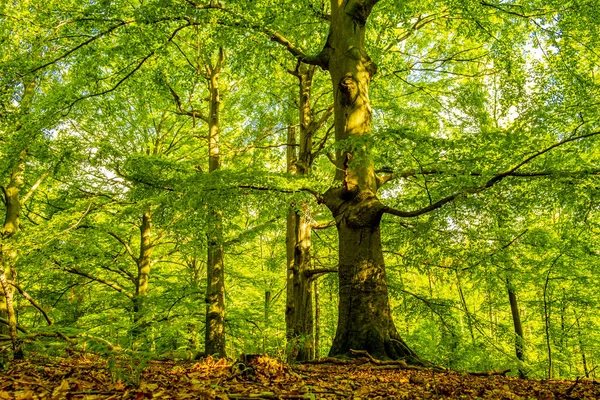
(8, 253)
(364, 317)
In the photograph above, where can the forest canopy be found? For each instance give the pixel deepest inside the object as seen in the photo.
(303, 178)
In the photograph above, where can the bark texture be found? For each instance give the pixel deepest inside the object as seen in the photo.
(299, 313)
(300, 156)
(215, 272)
(11, 226)
(516, 317)
(8, 254)
(143, 267)
(364, 320)
(364, 317)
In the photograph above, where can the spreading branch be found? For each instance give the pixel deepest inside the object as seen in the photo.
(100, 280)
(191, 113)
(115, 87)
(411, 173)
(325, 225)
(318, 196)
(125, 245)
(19, 327)
(514, 13)
(491, 182)
(273, 35)
(31, 301)
(83, 44)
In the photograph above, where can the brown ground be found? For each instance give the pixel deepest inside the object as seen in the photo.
(265, 378)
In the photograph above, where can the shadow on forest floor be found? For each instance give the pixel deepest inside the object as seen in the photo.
(264, 378)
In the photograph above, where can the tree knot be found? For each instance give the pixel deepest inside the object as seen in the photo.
(348, 88)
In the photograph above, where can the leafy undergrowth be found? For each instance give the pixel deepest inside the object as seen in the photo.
(264, 378)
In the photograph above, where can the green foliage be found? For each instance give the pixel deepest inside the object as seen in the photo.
(464, 91)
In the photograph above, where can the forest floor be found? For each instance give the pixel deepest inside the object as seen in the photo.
(265, 378)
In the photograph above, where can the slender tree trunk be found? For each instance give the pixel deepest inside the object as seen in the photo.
(290, 242)
(490, 313)
(317, 321)
(299, 317)
(215, 274)
(11, 226)
(547, 320)
(465, 307)
(581, 348)
(12, 318)
(516, 317)
(299, 311)
(143, 272)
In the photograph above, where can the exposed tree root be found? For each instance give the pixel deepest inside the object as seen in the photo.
(396, 364)
(490, 373)
(333, 360)
(366, 358)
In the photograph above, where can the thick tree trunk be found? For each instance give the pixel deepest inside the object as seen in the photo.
(364, 317)
(365, 320)
(215, 274)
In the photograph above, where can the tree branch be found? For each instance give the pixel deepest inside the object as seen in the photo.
(90, 40)
(191, 113)
(323, 226)
(19, 327)
(34, 187)
(517, 14)
(318, 196)
(100, 280)
(273, 35)
(122, 272)
(322, 143)
(409, 173)
(491, 182)
(126, 245)
(32, 301)
(311, 274)
(130, 73)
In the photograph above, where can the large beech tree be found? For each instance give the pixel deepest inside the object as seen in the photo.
(364, 318)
